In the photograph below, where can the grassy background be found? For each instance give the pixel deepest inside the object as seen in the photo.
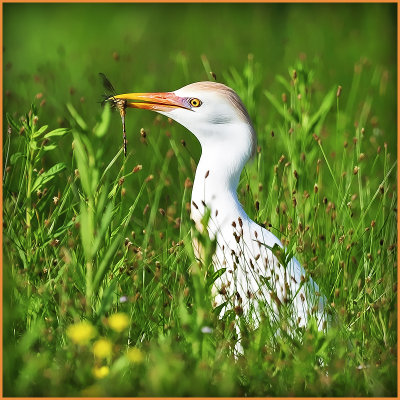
(89, 237)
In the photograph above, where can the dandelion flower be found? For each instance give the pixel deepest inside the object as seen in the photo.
(101, 372)
(135, 355)
(81, 332)
(118, 322)
(102, 348)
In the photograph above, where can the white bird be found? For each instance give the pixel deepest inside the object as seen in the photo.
(254, 280)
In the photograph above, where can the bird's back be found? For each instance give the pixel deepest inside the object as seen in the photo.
(255, 281)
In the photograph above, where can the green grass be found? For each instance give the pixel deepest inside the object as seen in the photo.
(87, 234)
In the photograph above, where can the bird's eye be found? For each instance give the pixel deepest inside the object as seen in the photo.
(195, 102)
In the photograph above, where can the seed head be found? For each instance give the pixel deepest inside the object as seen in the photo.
(339, 91)
(137, 168)
(316, 138)
(188, 183)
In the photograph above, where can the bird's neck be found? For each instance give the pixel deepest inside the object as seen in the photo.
(215, 187)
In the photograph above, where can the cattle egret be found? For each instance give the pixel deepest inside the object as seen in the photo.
(253, 277)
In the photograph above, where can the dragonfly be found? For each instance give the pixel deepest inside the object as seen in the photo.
(119, 104)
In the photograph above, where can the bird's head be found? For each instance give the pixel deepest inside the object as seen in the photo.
(212, 111)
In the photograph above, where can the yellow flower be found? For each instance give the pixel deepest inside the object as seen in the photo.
(81, 332)
(135, 355)
(102, 348)
(118, 322)
(101, 372)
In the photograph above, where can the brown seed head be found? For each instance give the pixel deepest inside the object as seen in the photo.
(188, 183)
(137, 168)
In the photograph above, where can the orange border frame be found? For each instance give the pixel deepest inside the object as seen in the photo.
(193, 1)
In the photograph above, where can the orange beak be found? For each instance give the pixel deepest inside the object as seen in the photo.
(153, 101)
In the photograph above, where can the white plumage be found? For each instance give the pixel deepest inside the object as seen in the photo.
(253, 281)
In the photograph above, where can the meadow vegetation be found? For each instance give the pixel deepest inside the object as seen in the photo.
(102, 294)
